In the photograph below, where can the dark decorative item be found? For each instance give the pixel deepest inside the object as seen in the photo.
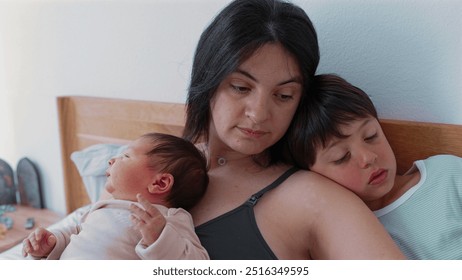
(7, 186)
(30, 191)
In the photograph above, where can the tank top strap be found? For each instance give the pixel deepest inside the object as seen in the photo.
(255, 197)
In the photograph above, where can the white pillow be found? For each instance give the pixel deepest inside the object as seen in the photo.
(92, 163)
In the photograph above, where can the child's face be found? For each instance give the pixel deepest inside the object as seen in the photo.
(362, 162)
(128, 174)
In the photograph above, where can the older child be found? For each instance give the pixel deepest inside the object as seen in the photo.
(162, 172)
(422, 209)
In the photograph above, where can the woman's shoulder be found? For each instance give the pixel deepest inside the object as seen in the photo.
(309, 187)
(326, 214)
(309, 180)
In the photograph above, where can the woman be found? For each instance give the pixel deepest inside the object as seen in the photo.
(252, 72)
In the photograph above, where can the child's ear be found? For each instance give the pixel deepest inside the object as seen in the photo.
(162, 183)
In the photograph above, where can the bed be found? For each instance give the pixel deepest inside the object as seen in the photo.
(87, 121)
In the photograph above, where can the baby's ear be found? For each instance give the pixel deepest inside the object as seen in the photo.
(162, 183)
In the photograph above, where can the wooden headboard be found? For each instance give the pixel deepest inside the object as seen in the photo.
(85, 121)
(411, 140)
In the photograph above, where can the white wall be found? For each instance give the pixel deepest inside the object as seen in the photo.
(405, 54)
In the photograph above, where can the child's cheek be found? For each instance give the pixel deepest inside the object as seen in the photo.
(353, 180)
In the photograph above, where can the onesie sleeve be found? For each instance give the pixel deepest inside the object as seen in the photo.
(63, 237)
(64, 232)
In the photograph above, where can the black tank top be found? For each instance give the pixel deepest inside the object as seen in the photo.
(235, 234)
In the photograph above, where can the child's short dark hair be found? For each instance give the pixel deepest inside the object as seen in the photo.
(333, 102)
(187, 165)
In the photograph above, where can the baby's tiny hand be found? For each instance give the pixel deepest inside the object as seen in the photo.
(149, 222)
(39, 243)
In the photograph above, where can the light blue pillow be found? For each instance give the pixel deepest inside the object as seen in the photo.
(92, 163)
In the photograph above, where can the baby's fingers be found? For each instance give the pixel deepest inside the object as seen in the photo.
(36, 237)
(147, 213)
(26, 247)
(138, 213)
(34, 241)
(143, 201)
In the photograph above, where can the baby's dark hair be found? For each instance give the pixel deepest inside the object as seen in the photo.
(185, 163)
(334, 102)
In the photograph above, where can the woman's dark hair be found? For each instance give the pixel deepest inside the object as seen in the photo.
(233, 36)
(333, 102)
(185, 163)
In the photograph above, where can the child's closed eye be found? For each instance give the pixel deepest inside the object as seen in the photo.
(343, 159)
(371, 138)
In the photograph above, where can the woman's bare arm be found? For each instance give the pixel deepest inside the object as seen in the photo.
(341, 225)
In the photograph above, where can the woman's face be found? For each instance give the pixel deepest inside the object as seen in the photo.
(253, 106)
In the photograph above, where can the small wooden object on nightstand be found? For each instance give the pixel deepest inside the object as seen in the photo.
(15, 235)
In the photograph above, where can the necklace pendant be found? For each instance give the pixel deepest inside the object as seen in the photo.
(221, 161)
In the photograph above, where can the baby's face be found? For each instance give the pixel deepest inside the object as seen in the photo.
(362, 162)
(129, 174)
